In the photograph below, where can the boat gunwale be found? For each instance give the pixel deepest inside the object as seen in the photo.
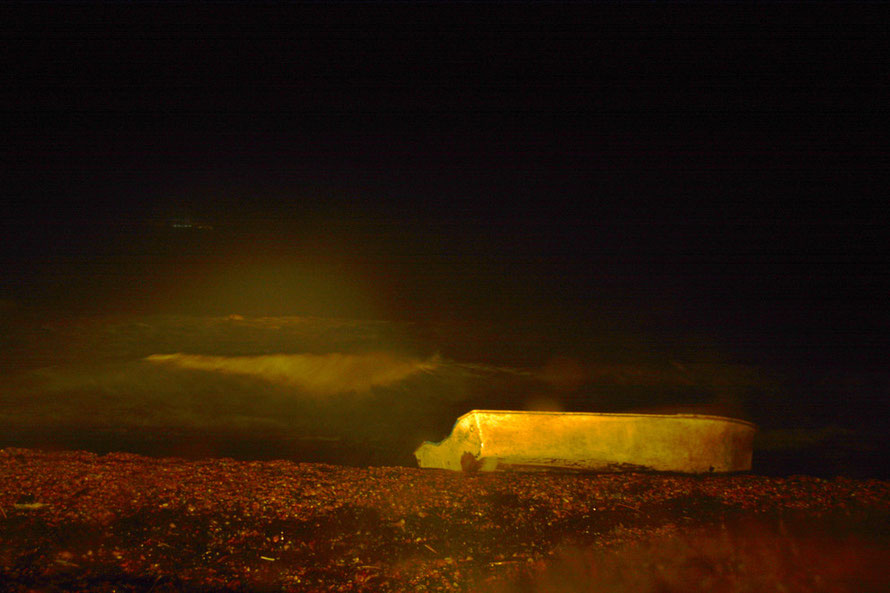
(613, 414)
(622, 414)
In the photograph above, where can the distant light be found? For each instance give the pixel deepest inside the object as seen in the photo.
(187, 224)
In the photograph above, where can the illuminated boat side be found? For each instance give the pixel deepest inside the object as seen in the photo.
(488, 440)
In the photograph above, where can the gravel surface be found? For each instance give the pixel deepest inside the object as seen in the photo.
(77, 521)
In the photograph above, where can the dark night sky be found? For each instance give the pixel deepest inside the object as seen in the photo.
(721, 168)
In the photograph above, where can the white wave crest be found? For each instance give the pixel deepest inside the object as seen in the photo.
(324, 374)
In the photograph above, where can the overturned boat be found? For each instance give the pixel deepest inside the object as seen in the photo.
(488, 440)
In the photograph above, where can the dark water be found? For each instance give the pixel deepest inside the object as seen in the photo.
(357, 350)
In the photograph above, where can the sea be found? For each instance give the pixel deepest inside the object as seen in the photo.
(183, 340)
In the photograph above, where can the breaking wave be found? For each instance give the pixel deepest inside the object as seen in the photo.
(325, 374)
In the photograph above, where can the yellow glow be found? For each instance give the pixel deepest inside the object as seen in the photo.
(543, 404)
(564, 374)
(324, 374)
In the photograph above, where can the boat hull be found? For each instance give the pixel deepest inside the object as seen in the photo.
(489, 440)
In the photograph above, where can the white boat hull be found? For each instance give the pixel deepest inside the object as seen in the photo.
(488, 440)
